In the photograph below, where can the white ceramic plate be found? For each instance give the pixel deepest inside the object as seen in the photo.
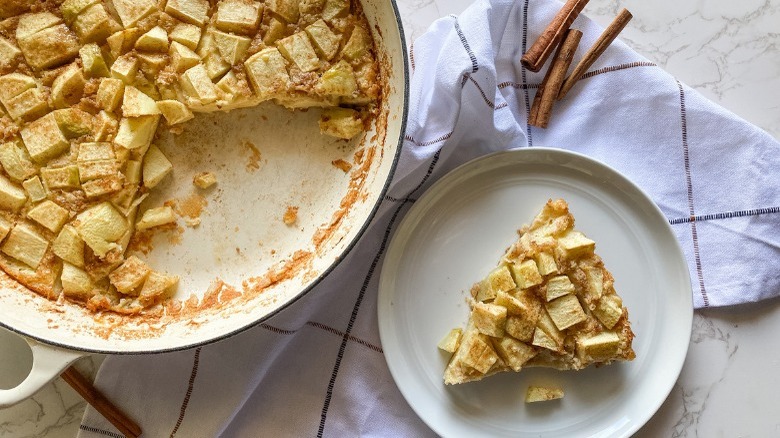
(456, 233)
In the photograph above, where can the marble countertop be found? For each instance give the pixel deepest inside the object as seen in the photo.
(730, 52)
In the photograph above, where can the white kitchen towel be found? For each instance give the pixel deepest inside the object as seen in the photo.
(317, 369)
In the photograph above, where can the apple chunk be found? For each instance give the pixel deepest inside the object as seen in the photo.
(101, 226)
(26, 244)
(135, 103)
(156, 167)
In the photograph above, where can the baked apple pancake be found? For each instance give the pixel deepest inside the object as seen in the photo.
(85, 86)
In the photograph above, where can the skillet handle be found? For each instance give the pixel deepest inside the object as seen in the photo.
(48, 363)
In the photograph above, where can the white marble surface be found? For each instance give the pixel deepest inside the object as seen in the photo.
(728, 50)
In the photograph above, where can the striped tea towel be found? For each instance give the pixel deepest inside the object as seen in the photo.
(317, 369)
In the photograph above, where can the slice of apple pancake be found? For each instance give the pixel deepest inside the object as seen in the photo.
(549, 303)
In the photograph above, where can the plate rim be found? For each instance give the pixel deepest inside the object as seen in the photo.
(439, 188)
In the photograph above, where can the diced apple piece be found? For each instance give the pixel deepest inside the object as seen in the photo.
(34, 188)
(267, 71)
(489, 319)
(609, 310)
(102, 186)
(15, 161)
(215, 66)
(276, 29)
(136, 132)
(339, 80)
(92, 151)
(357, 44)
(326, 42)
(123, 199)
(298, 49)
(512, 304)
(541, 393)
(155, 217)
(451, 341)
(100, 226)
(14, 84)
(335, 9)
(110, 93)
(122, 41)
(8, 52)
(602, 345)
(545, 263)
(565, 311)
(131, 11)
(186, 34)
(49, 47)
(61, 177)
(232, 48)
(558, 287)
(189, 11)
(5, 227)
(29, 105)
(311, 7)
(76, 283)
(546, 323)
(93, 25)
(240, 16)
(150, 65)
(50, 215)
(125, 68)
(595, 278)
(133, 171)
(30, 24)
(155, 286)
(174, 111)
(573, 244)
(70, 9)
(67, 89)
(12, 197)
(341, 122)
(73, 122)
(25, 244)
(498, 280)
(135, 103)
(130, 275)
(513, 352)
(204, 180)
(92, 60)
(89, 170)
(43, 139)
(105, 125)
(232, 88)
(479, 353)
(287, 9)
(156, 167)
(526, 274)
(68, 246)
(197, 84)
(520, 328)
(182, 57)
(542, 339)
(155, 40)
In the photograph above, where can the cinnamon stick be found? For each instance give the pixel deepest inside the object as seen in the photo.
(606, 38)
(545, 45)
(548, 91)
(100, 403)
